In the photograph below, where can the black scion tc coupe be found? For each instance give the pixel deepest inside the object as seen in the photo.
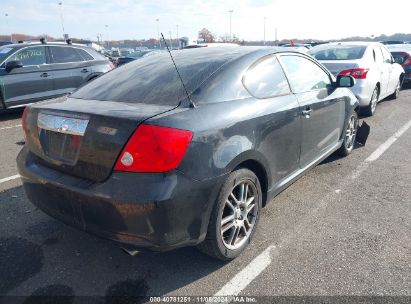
(137, 157)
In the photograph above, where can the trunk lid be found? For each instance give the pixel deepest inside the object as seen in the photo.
(84, 137)
(336, 66)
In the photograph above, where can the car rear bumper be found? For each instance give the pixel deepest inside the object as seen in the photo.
(363, 91)
(157, 211)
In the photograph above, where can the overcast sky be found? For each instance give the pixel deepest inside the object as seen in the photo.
(136, 19)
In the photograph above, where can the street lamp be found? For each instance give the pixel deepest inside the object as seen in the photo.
(106, 26)
(264, 30)
(7, 23)
(158, 33)
(231, 15)
(61, 19)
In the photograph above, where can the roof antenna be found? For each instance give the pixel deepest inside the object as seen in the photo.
(192, 104)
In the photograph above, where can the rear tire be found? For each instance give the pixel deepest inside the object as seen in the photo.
(350, 132)
(396, 93)
(370, 109)
(234, 217)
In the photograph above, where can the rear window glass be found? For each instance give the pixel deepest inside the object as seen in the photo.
(400, 57)
(86, 56)
(341, 52)
(266, 79)
(153, 79)
(62, 54)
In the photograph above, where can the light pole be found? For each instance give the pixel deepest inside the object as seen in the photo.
(106, 26)
(231, 15)
(264, 30)
(61, 19)
(158, 33)
(7, 23)
(178, 41)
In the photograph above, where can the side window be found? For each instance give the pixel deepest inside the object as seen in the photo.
(266, 78)
(386, 55)
(62, 54)
(378, 55)
(30, 56)
(304, 75)
(86, 56)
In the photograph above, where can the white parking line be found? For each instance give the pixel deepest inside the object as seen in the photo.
(247, 275)
(242, 279)
(6, 179)
(10, 127)
(380, 150)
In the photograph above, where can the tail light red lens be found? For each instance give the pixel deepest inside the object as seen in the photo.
(154, 149)
(358, 73)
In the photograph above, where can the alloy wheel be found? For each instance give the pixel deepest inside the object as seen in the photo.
(351, 132)
(239, 215)
(374, 100)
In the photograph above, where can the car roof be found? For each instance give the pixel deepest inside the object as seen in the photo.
(399, 47)
(25, 44)
(363, 43)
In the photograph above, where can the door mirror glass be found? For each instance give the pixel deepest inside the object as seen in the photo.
(345, 81)
(11, 65)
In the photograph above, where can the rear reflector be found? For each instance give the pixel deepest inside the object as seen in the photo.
(358, 73)
(154, 149)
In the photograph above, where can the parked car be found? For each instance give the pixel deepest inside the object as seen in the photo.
(30, 72)
(3, 42)
(402, 55)
(131, 57)
(147, 165)
(370, 63)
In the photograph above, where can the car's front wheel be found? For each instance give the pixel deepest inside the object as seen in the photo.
(234, 217)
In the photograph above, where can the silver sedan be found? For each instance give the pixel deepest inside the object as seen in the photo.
(370, 63)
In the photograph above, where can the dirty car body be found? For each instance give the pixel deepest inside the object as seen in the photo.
(74, 165)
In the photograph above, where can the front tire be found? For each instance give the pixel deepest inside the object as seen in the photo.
(234, 217)
(350, 132)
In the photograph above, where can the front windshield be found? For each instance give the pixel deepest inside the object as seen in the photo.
(338, 52)
(5, 51)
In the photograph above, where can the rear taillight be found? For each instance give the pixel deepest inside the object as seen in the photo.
(358, 73)
(23, 121)
(154, 149)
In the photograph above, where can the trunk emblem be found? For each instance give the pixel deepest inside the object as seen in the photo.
(75, 125)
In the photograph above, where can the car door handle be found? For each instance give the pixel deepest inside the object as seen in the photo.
(44, 75)
(84, 70)
(307, 112)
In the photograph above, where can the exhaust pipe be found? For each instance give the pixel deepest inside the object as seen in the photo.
(130, 252)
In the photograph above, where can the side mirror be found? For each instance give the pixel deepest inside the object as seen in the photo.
(13, 65)
(345, 81)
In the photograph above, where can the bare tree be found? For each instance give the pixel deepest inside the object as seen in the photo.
(206, 35)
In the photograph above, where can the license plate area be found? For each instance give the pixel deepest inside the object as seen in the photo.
(61, 136)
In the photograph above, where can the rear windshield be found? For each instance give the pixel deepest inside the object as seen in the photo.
(340, 52)
(153, 79)
(400, 57)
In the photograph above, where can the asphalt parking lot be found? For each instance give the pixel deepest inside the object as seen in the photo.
(341, 230)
